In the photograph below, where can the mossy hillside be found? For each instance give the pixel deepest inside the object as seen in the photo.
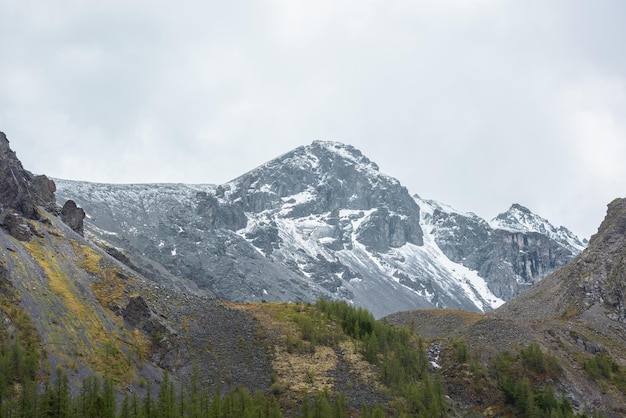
(110, 284)
(299, 363)
(331, 346)
(79, 330)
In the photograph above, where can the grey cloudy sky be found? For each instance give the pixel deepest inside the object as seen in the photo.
(477, 104)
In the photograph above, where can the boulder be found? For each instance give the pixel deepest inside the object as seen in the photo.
(17, 226)
(73, 216)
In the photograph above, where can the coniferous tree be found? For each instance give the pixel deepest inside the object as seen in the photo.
(378, 412)
(125, 408)
(166, 403)
(135, 408)
(57, 396)
(147, 410)
(108, 399)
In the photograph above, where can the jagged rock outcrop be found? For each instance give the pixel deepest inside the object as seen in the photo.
(73, 216)
(138, 314)
(21, 193)
(19, 189)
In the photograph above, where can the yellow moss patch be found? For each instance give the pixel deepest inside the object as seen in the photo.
(80, 327)
(109, 288)
(141, 343)
(58, 280)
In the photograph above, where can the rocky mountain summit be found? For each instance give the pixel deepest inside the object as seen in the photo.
(322, 221)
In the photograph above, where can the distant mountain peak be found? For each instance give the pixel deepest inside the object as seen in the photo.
(521, 219)
(320, 177)
(319, 158)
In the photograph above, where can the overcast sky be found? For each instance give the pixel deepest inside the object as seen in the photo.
(477, 104)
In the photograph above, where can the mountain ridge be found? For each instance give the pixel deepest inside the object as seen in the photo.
(324, 218)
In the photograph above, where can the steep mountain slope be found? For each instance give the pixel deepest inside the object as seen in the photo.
(576, 316)
(95, 315)
(321, 220)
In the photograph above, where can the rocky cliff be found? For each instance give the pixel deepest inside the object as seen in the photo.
(20, 193)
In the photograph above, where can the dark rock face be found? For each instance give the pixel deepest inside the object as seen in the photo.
(510, 256)
(218, 214)
(45, 188)
(383, 231)
(21, 193)
(73, 216)
(137, 311)
(119, 256)
(138, 314)
(19, 189)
